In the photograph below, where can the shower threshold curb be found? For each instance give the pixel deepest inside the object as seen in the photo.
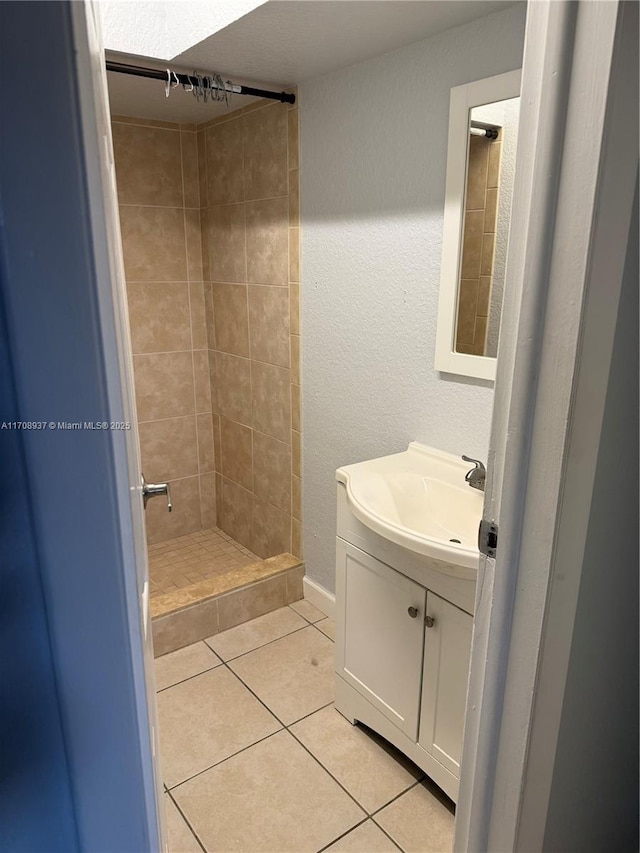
(206, 608)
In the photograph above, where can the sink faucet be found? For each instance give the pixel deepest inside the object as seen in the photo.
(477, 476)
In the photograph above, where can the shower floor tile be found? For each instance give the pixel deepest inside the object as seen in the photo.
(189, 559)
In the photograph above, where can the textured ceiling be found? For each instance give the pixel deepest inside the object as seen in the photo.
(284, 42)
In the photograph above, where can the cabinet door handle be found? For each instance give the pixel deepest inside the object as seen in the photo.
(413, 612)
(429, 621)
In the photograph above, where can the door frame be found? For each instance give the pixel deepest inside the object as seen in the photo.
(573, 197)
(65, 331)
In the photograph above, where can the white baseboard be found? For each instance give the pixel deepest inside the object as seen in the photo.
(320, 597)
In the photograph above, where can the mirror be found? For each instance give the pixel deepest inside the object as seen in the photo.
(483, 133)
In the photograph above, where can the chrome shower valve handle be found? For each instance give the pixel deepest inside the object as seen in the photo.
(150, 490)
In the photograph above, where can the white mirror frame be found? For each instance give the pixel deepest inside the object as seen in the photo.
(464, 98)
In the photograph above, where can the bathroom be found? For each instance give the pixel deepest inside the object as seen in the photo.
(283, 326)
(293, 345)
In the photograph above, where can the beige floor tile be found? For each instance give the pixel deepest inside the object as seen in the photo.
(293, 676)
(306, 609)
(258, 632)
(272, 798)
(180, 839)
(328, 627)
(183, 664)
(419, 822)
(370, 769)
(206, 719)
(366, 838)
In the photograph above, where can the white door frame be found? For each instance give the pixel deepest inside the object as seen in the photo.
(575, 178)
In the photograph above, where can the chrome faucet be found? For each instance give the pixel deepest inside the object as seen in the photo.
(477, 476)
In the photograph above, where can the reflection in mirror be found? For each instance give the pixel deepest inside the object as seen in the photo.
(493, 135)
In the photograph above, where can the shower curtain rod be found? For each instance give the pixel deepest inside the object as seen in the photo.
(203, 81)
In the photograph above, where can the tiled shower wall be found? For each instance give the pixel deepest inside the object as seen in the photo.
(478, 245)
(158, 192)
(249, 191)
(210, 229)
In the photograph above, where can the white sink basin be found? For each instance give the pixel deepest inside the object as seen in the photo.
(419, 500)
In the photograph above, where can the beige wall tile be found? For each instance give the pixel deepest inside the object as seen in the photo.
(230, 316)
(296, 497)
(294, 308)
(202, 383)
(226, 242)
(271, 399)
(153, 243)
(237, 453)
(233, 387)
(204, 237)
(217, 441)
(265, 152)
(296, 538)
(148, 168)
(491, 211)
(159, 316)
(256, 600)
(219, 483)
(206, 453)
(199, 336)
(236, 514)
(208, 313)
(296, 453)
(190, 178)
(480, 336)
(267, 241)
(472, 244)
(271, 530)
(294, 198)
(486, 267)
(224, 163)
(202, 168)
(477, 173)
(493, 172)
(193, 233)
(144, 122)
(296, 419)
(184, 517)
(272, 471)
(294, 254)
(292, 118)
(164, 385)
(168, 449)
(208, 500)
(295, 359)
(467, 301)
(269, 324)
(484, 295)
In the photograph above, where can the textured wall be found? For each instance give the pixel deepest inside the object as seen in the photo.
(374, 148)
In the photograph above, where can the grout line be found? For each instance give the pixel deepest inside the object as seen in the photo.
(190, 677)
(262, 646)
(340, 837)
(393, 799)
(184, 817)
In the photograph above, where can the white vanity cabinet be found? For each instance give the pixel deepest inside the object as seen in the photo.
(402, 647)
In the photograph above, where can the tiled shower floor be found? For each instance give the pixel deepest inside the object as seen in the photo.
(256, 759)
(189, 559)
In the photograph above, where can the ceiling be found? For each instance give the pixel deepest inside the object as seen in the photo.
(284, 42)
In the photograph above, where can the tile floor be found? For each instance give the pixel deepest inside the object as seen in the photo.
(189, 559)
(256, 759)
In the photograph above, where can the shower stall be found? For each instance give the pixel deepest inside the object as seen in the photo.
(210, 232)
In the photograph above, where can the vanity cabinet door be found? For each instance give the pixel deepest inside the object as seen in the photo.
(447, 650)
(380, 616)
